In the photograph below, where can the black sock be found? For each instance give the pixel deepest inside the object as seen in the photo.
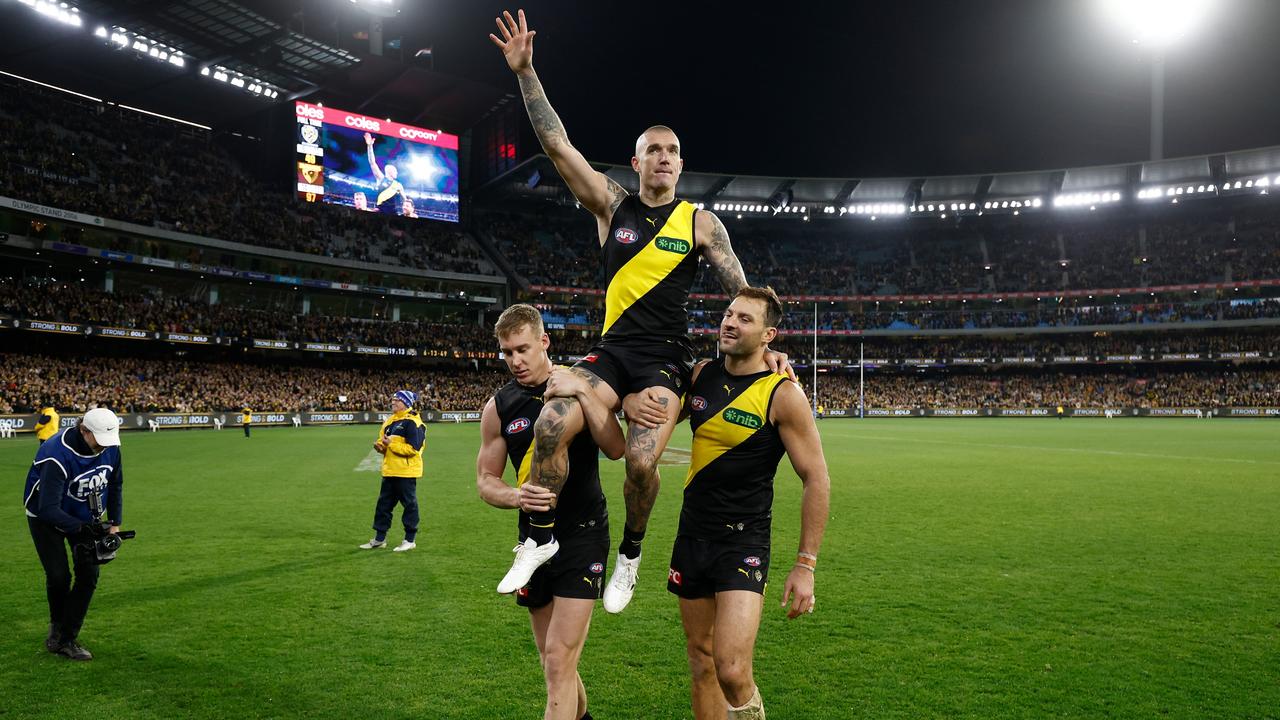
(586, 716)
(630, 545)
(541, 525)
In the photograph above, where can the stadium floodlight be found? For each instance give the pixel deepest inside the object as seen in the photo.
(1156, 23)
(100, 32)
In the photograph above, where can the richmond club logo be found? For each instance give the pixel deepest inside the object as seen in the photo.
(310, 135)
(626, 236)
(698, 403)
(518, 425)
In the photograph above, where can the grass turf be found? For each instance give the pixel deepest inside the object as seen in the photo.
(972, 568)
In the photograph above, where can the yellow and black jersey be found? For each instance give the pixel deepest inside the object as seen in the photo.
(390, 199)
(728, 493)
(650, 262)
(581, 505)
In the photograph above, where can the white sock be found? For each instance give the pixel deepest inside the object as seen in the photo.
(752, 710)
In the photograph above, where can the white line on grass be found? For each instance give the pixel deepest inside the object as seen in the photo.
(1086, 451)
(371, 463)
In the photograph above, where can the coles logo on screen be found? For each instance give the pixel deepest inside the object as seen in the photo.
(362, 122)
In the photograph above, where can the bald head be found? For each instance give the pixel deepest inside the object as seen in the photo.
(656, 134)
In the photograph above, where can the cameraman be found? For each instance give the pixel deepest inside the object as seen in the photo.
(70, 468)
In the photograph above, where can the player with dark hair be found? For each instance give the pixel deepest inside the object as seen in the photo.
(651, 244)
(391, 199)
(562, 593)
(744, 419)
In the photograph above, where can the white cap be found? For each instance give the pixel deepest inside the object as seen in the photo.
(104, 425)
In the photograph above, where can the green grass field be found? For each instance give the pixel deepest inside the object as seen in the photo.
(972, 568)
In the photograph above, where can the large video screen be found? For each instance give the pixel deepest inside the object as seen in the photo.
(374, 165)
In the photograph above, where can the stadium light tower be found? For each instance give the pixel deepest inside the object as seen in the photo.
(1157, 25)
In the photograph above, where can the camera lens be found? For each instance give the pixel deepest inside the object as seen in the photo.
(110, 543)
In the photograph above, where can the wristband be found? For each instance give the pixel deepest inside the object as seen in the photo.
(806, 555)
(806, 567)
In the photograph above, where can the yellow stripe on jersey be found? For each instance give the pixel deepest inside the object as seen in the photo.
(390, 191)
(522, 472)
(732, 426)
(651, 265)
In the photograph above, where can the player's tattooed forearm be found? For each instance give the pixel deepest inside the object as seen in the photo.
(546, 124)
(726, 265)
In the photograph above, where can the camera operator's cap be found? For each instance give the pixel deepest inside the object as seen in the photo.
(408, 397)
(104, 425)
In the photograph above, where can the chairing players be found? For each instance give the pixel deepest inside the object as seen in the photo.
(651, 243)
(561, 594)
(744, 418)
(392, 199)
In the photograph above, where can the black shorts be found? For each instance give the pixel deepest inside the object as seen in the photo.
(576, 571)
(702, 568)
(632, 366)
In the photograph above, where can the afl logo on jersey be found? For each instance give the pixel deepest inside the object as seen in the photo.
(597, 568)
(753, 561)
(626, 236)
(518, 425)
(698, 403)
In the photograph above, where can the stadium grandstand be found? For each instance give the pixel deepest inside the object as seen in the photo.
(1129, 272)
(191, 230)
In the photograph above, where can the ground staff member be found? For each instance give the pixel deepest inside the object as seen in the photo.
(400, 443)
(71, 467)
(246, 418)
(47, 425)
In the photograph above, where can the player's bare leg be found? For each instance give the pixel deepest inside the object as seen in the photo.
(559, 422)
(699, 619)
(560, 631)
(640, 491)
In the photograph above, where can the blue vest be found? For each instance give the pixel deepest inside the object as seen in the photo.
(85, 474)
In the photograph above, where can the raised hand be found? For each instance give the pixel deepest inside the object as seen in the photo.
(516, 42)
(368, 139)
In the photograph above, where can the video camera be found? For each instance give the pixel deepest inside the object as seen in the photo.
(96, 544)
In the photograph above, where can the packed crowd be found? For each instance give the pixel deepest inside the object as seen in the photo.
(86, 157)
(30, 382)
(558, 248)
(1139, 388)
(156, 311)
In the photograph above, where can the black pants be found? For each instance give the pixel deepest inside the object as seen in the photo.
(68, 603)
(246, 429)
(397, 490)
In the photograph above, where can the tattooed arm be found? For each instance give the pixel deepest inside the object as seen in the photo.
(713, 242)
(597, 193)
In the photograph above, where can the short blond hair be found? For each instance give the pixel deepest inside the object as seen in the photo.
(516, 317)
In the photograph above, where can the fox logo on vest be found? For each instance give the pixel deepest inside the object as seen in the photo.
(88, 482)
(626, 236)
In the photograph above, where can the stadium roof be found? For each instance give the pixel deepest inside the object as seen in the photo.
(1238, 172)
(219, 63)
